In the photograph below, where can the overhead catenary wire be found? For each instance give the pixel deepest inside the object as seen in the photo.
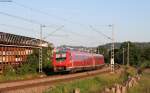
(20, 18)
(50, 15)
(60, 35)
(39, 11)
(5, 0)
(74, 40)
(71, 40)
(35, 22)
(18, 27)
(100, 32)
(77, 34)
(53, 32)
(28, 20)
(23, 19)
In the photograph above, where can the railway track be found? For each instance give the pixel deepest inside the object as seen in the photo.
(38, 85)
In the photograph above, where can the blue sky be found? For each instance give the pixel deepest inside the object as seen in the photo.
(131, 19)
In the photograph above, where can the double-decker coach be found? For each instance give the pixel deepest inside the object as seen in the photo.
(72, 60)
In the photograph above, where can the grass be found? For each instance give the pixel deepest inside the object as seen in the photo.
(131, 71)
(88, 85)
(143, 86)
(93, 84)
(17, 77)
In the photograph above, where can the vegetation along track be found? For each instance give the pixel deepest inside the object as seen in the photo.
(40, 84)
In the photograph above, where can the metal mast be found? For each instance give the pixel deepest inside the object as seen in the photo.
(123, 56)
(112, 51)
(40, 49)
(112, 63)
(128, 63)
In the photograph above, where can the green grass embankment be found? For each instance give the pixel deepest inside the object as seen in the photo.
(87, 85)
(143, 85)
(17, 77)
(93, 84)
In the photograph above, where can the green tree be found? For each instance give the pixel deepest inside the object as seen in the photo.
(47, 60)
(9, 71)
(134, 54)
(32, 63)
(145, 57)
(138, 55)
(105, 52)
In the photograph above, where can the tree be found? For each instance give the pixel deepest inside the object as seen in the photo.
(105, 52)
(145, 57)
(47, 60)
(32, 63)
(139, 55)
(134, 54)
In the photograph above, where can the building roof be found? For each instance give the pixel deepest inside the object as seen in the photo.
(17, 40)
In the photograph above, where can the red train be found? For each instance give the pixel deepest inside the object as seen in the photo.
(72, 61)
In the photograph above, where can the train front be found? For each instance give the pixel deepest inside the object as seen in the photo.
(60, 60)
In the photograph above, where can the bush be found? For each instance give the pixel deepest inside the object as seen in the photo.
(26, 69)
(30, 66)
(124, 75)
(145, 64)
(9, 72)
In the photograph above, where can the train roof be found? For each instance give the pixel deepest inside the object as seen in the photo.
(76, 51)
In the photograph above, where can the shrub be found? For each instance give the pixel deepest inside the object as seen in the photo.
(145, 64)
(9, 72)
(124, 75)
(30, 66)
(26, 69)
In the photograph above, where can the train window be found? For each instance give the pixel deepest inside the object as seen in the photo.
(61, 59)
(57, 55)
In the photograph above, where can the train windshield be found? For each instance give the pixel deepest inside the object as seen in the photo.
(60, 56)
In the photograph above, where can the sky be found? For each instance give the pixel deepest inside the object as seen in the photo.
(78, 22)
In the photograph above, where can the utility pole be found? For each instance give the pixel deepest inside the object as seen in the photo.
(123, 56)
(128, 62)
(112, 63)
(40, 49)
